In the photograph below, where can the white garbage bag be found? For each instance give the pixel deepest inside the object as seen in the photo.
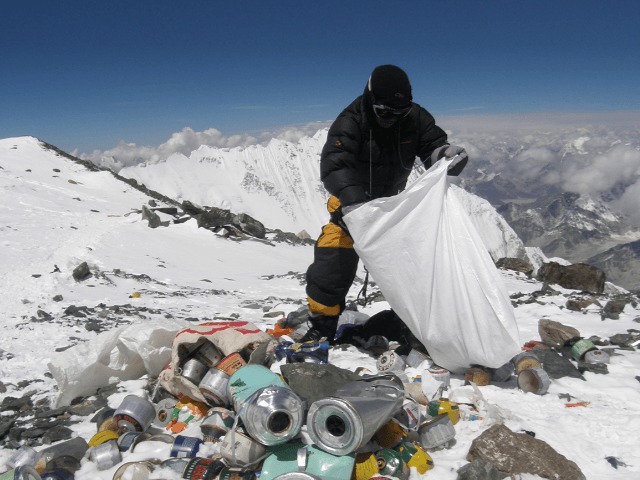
(126, 353)
(431, 265)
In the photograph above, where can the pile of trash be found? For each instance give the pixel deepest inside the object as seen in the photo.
(219, 411)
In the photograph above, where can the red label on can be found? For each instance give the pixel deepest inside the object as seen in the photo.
(123, 417)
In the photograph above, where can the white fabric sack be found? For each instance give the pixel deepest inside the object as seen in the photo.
(431, 265)
(126, 353)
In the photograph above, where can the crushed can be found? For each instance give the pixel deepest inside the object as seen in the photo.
(134, 414)
(390, 463)
(217, 423)
(437, 407)
(437, 432)
(414, 455)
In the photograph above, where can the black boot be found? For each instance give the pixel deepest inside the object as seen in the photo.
(321, 326)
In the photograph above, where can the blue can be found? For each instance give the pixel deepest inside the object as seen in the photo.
(184, 446)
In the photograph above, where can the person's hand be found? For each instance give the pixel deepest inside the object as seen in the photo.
(350, 208)
(457, 155)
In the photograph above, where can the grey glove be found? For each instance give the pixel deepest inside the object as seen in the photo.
(457, 155)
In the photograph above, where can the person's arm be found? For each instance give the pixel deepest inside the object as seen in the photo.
(434, 146)
(339, 160)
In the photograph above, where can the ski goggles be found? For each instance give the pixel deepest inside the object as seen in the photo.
(388, 113)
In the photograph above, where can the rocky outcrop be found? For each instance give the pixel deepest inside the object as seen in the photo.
(579, 276)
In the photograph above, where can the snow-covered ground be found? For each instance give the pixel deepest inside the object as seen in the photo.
(55, 213)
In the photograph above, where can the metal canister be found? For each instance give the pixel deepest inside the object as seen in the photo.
(414, 456)
(410, 415)
(534, 380)
(208, 354)
(596, 356)
(240, 450)
(503, 373)
(437, 407)
(389, 435)
(164, 410)
(416, 358)
(440, 374)
(365, 466)
(126, 440)
(194, 370)
(525, 360)
(390, 463)
(184, 446)
(581, 347)
(69, 463)
(203, 469)
(102, 437)
(57, 474)
(25, 472)
(23, 456)
(479, 376)
(346, 421)
(76, 447)
(106, 455)
(437, 432)
(134, 470)
(214, 387)
(134, 414)
(390, 361)
(234, 473)
(231, 363)
(217, 423)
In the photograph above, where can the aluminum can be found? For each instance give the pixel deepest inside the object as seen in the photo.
(525, 360)
(194, 370)
(534, 380)
(164, 411)
(106, 455)
(440, 374)
(390, 361)
(234, 473)
(390, 463)
(241, 450)
(208, 354)
(134, 414)
(410, 415)
(214, 388)
(231, 363)
(203, 469)
(416, 358)
(217, 423)
(596, 356)
(23, 456)
(437, 432)
(184, 446)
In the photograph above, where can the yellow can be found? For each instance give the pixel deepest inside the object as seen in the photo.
(436, 407)
(414, 456)
(101, 437)
(365, 467)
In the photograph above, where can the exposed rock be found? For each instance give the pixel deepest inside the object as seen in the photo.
(58, 298)
(556, 365)
(518, 453)
(303, 235)
(249, 225)
(81, 272)
(191, 208)
(214, 218)
(579, 304)
(623, 339)
(515, 264)
(579, 276)
(555, 333)
(16, 404)
(614, 307)
(152, 217)
(480, 470)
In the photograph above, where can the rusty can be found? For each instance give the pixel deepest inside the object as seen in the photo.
(478, 376)
(389, 435)
(231, 363)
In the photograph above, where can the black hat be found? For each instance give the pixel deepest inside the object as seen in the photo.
(390, 86)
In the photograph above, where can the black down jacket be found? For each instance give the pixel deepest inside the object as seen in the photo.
(362, 161)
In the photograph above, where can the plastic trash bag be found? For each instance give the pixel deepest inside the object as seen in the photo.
(126, 353)
(431, 265)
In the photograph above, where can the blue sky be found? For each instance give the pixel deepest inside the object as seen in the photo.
(87, 74)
